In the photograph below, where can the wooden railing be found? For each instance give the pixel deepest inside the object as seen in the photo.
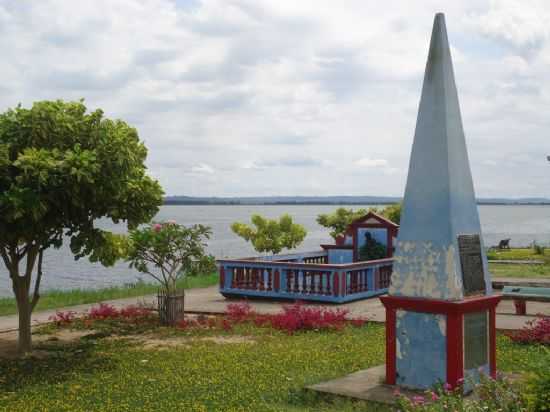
(304, 277)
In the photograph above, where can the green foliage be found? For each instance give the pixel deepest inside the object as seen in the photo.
(270, 235)
(339, 220)
(489, 395)
(61, 169)
(538, 385)
(66, 168)
(169, 252)
(250, 369)
(245, 369)
(372, 250)
(391, 212)
(538, 249)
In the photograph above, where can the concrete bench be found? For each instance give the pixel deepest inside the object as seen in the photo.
(521, 294)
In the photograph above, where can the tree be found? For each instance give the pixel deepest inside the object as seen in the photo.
(169, 252)
(61, 168)
(339, 220)
(391, 212)
(271, 235)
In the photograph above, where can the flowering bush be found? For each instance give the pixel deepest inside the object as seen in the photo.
(536, 331)
(239, 312)
(103, 311)
(168, 252)
(299, 317)
(292, 318)
(63, 318)
(106, 311)
(489, 395)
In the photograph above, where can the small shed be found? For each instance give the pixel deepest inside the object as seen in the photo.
(370, 226)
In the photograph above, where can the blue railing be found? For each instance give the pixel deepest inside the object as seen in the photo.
(304, 276)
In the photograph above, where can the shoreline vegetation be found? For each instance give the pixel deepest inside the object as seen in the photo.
(57, 299)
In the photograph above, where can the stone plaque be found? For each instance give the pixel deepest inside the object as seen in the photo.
(469, 248)
(475, 340)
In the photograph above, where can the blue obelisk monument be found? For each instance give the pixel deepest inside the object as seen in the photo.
(440, 312)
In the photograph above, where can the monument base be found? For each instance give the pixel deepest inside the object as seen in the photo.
(367, 385)
(463, 343)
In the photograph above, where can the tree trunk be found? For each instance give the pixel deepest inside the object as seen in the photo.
(24, 344)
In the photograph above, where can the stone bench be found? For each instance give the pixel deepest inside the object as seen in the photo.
(521, 294)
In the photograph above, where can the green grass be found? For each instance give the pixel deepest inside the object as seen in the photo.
(267, 373)
(517, 254)
(519, 270)
(53, 299)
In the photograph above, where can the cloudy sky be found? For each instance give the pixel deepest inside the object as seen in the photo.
(257, 97)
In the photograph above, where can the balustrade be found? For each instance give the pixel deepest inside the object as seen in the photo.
(305, 278)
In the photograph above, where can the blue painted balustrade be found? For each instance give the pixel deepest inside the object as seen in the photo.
(304, 276)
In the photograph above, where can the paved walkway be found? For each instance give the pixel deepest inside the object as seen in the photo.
(208, 300)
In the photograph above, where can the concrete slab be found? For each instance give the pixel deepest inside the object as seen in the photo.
(366, 385)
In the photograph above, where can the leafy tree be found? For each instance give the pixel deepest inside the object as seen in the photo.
(169, 252)
(339, 220)
(269, 235)
(342, 217)
(61, 168)
(391, 212)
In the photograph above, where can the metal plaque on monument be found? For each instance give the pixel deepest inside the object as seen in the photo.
(469, 249)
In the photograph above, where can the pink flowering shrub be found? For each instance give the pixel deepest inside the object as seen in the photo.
(106, 311)
(63, 318)
(293, 317)
(239, 312)
(300, 317)
(103, 311)
(536, 331)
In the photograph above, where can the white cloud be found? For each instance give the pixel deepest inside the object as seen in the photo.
(202, 168)
(255, 97)
(366, 162)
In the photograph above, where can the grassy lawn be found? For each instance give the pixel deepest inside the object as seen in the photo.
(246, 369)
(519, 271)
(53, 299)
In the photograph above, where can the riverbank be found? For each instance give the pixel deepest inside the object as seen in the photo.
(54, 299)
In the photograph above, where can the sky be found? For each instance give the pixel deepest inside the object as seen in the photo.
(287, 97)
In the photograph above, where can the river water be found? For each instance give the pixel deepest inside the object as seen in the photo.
(523, 224)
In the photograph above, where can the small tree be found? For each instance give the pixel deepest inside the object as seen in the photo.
(61, 169)
(339, 220)
(169, 252)
(391, 212)
(342, 217)
(269, 235)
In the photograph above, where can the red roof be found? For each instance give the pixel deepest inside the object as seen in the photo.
(376, 216)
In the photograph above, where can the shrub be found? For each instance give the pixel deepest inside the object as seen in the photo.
(538, 249)
(299, 317)
(270, 235)
(103, 311)
(536, 331)
(239, 312)
(63, 318)
(489, 395)
(538, 388)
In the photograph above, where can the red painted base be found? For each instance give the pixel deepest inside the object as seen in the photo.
(454, 312)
